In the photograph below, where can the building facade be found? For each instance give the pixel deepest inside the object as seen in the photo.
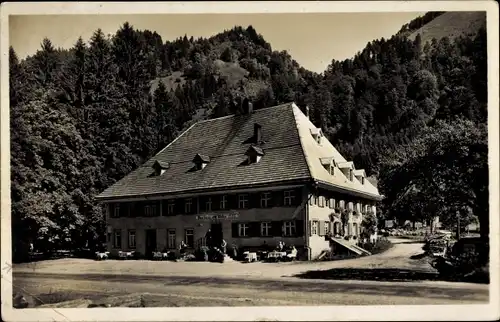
(253, 179)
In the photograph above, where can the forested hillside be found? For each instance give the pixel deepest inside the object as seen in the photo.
(83, 118)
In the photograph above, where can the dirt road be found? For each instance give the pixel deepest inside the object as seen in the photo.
(388, 278)
(396, 257)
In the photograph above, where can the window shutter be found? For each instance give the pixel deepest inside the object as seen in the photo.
(232, 201)
(321, 228)
(311, 200)
(253, 200)
(310, 227)
(234, 229)
(296, 199)
(277, 198)
(139, 209)
(299, 230)
(254, 229)
(276, 229)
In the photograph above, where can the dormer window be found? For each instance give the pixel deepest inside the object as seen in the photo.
(347, 169)
(317, 134)
(328, 164)
(254, 154)
(360, 175)
(160, 167)
(201, 161)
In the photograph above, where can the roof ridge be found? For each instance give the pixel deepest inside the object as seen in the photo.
(255, 111)
(300, 138)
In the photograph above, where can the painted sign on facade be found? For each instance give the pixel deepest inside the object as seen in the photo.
(218, 216)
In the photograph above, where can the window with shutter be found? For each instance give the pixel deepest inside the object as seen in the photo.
(243, 201)
(265, 229)
(223, 202)
(243, 229)
(321, 201)
(321, 228)
(289, 228)
(314, 227)
(327, 227)
(208, 204)
(289, 197)
(265, 199)
(311, 200)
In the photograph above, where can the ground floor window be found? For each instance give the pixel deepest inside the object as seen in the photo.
(117, 238)
(131, 239)
(265, 229)
(289, 228)
(171, 239)
(327, 227)
(189, 237)
(355, 229)
(314, 228)
(336, 228)
(243, 229)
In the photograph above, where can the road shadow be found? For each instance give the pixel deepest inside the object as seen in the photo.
(304, 285)
(371, 274)
(418, 256)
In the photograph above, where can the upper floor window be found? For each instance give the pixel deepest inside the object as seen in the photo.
(208, 204)
(116, 211)
(332, 203)
(265, 199)
(171, 207)
(321, 201)
(243, 201)
(188, 205)
(289, 197)
(223, 202)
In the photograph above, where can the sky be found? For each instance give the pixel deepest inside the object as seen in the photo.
(312, 39)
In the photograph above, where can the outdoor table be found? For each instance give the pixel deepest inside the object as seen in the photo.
(276, 255)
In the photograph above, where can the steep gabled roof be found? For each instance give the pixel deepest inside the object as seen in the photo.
(225, 140)
(316, 153)
(291, 154)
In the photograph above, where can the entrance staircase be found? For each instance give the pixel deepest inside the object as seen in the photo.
(351, 246)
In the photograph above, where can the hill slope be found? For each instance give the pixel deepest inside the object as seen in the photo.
(451, 25)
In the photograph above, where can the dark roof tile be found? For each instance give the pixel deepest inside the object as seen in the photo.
(225, 140)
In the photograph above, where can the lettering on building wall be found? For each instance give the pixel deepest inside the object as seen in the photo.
(218, 216)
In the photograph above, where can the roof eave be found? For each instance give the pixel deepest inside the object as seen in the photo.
(357, 193)
(305, 180)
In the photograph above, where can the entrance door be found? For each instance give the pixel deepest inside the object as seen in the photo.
(216, 230)
(150, 242)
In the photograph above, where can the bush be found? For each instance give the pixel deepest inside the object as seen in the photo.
(380, 246)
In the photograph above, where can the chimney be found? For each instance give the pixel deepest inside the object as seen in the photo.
(307, 111)
(257, 133)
